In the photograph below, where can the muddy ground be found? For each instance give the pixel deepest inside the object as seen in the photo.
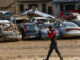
(38, 49)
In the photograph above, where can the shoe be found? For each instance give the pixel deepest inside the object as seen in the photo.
(61, 58)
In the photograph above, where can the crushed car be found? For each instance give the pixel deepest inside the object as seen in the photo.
(9, 30)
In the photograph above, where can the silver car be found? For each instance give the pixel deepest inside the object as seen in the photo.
(67, 29)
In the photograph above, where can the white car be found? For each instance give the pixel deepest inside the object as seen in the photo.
(67, 29)
(43, 19)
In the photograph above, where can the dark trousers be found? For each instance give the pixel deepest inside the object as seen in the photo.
(52, 47)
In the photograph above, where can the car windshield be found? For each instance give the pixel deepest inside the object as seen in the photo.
(41, 26)
(66, 13)
(31, 28)
(20, 21)
(47, 25)
(70, 25)
(78, 22)
(56, 25)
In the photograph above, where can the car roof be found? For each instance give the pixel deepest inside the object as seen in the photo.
(69, 23)
(4, 21)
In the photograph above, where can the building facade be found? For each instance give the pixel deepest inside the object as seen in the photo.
(8, 5)
(42, 5)
(65, 5)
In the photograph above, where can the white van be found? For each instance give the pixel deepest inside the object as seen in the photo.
(43, 19)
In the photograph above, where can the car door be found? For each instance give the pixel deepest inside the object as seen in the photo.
(59, 27)
(62, 29)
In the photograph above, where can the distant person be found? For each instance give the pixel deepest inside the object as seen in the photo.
(53, 45)
(40, 22)
(23, 30)
(12, 19)
(50, 21)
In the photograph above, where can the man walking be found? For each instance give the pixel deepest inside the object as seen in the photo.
(53, 45)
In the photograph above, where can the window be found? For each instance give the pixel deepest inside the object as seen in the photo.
(44, 8)
(31, 28)
(33, 5)
(70, 7)
(50, 10)
(70, 25)
(61, 7)
(21, 7)
(79, 7)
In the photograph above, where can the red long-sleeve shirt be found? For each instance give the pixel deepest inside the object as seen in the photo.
(50, 35)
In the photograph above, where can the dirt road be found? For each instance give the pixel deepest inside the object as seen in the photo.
(37, 50)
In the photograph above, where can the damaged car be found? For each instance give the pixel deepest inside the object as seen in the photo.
(9, 31)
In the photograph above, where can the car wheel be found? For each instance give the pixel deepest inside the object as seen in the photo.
(2, 39)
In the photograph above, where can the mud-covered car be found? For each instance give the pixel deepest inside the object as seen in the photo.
(9, 30)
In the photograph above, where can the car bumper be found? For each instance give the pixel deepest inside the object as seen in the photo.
(19, 37)
(72, 34)
(29, 37)
(44, 35)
